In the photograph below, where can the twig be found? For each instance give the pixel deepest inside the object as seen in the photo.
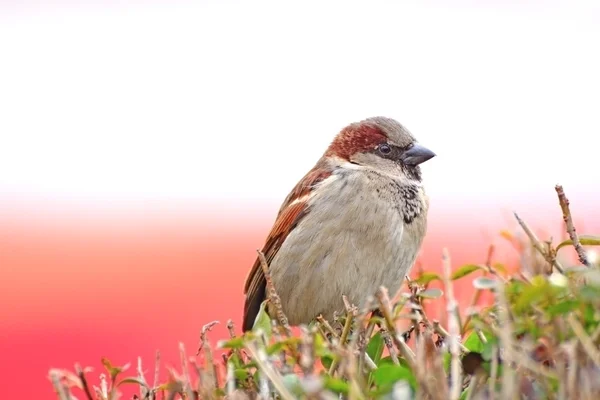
(453, 328)
(386, 309)
(363, 334)
(205, 329)
(439, 329)
(538, 245)
(307, 351)
(477, 293)
(156, 373)
(187, 381)
(84, 384)
(260, 358)
(350, 315)
(564, 205)
(596, 334)
(209, 377)
(505, 334)
(103, 386)
(493, 373)
(273, 296)
(327, 326)
(355, 392)
(231, 328)
(230, 386)
(389, 343)
(144, 389)
(55, 377)
(584, 339)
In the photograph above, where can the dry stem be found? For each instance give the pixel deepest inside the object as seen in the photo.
(386, 309)
(260, 358)
(564, 205)
(453, 328)
(273, 296)
(538, 245)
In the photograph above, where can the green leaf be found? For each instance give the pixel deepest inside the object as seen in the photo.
(336, 385)
(375, 347)
(326, 360)
(322, 351)
(263, 321)
(533, 293)
(385, 361)
(427, 277)
(499, 267)
(488, 346)
(388, 361)
(483, 283)
(487, 366)
(234, 343)
(432, 293)
(446, 360)
(241, 374)
(113, 371)
(563, 307)
(464, 271)
(281, 345)
(585, 240)
(133, 380)
(474, 343)
(386, 375)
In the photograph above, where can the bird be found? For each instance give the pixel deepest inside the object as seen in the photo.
(355, 222)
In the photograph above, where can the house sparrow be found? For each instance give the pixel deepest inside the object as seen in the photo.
(354, 222)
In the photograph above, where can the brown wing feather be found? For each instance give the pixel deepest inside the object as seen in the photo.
(290, 214)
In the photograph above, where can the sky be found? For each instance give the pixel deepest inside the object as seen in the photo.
(106, 102)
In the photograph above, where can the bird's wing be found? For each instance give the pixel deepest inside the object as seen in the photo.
(294, 208)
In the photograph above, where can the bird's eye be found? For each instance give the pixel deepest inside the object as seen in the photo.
(385, 149)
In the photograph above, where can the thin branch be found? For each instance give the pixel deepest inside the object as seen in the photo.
(538, 245)
(187, 381)
(205, 329)
(584, 339)
(84, 384)
(327, 326)
(350, 315)
(55, 377)
(386, 309)
(156, 373)
(505, 335)
(260, 358)
(453, 328)
(564, 205)
(273, 296)
(439, 329)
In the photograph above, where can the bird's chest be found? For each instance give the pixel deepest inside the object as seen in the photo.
(354, 238)
(371, 226)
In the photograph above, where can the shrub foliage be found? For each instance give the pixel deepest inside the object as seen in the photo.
(538, 338)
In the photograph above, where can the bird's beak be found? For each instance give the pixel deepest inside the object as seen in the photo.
(416, 155)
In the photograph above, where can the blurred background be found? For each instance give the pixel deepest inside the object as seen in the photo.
(145, 148)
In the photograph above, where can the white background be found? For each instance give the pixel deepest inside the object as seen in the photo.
(231, 100)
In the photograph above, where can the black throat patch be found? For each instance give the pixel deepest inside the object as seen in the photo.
(405, 197)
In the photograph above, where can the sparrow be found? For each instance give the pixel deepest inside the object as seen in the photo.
(353, 223)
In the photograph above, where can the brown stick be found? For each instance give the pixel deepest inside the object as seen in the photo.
(386, 310)
(453, 328)
(538, 245)
(564, 205)
(84, 384)
(273, 296)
